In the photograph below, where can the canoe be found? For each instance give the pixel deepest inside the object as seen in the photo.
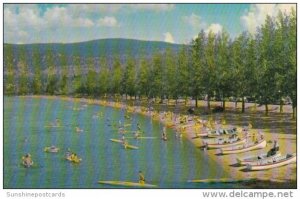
(141, 138)
(51, 149)
(254, 160)
(241, 149)
(128, 146)
(53, 126)
(225, 145)
(274, 163)
(115, 140)
(222, 180)
(127, 184)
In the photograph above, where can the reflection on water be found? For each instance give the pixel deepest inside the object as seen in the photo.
(27, 129)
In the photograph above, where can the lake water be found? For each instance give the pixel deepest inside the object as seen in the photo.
(167, 164)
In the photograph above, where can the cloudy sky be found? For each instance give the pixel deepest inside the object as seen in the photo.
(175, 23)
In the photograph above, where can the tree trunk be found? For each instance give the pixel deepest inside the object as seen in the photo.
(208, 102)
(224, 105)
(243, 105)
(281, 106)
(294, 111)
(196, 102)
(267, 108)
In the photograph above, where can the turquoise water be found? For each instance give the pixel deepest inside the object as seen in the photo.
(167, 164)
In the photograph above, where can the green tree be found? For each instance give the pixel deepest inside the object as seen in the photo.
(144, 79)
(128, 78)
(198, 73)
(224, 75)
(116, 77)
(182, 76)
(267, 88)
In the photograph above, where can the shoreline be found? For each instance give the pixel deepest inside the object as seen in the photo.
(277, 176)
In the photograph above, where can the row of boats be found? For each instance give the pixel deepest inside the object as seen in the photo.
(227, 141)
(230, 141)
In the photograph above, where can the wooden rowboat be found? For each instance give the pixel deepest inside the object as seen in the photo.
(241, 149)
(254, 160)
(224, 145)
(221, 132)
(274, 163)
(127, 184)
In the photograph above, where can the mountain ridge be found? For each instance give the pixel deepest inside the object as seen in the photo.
(100, 47)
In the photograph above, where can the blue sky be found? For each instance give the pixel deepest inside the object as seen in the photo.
(175, 23)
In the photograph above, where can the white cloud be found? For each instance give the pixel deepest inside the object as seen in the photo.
(258, 12)
(86, 9)
(194, 20)
(108, 21)
(168, 37)
(29, 18)
(215, 28)
(152, 7)
(60, 16)
(79, 9)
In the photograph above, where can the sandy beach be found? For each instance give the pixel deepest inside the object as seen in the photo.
(275, 126)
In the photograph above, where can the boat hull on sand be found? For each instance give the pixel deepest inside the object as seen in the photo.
(225, 145)
(274, 163)
(127, 184)
(254, 160)
(221, 132)
(242, 149)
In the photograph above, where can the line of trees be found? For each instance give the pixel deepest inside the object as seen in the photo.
(261, 66)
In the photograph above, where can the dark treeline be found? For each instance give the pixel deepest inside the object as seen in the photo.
(260, 66)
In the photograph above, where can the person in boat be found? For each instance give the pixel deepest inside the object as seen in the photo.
(27, 161)
(68, 152)
(274, 149)
(138, 127)
(57, 122)
(121, 130)
(74, 157)
(137, 134)
(164, 134)
(141, 177)
(233, 137)
(124, 142)
(260, 135)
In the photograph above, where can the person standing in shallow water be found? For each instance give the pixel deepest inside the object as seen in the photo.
(141, 177)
